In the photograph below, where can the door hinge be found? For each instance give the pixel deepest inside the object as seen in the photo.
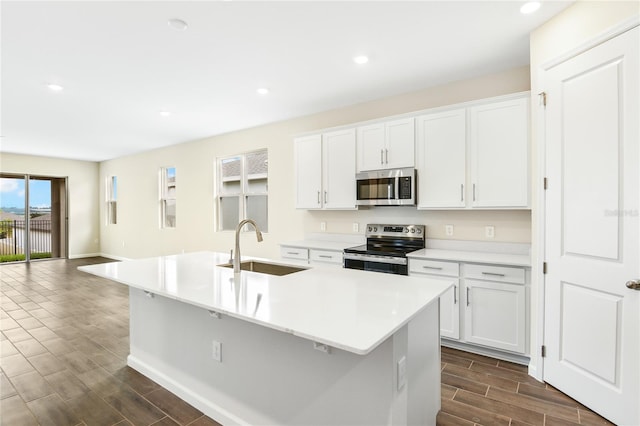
(543, 351)
(544, 267)
(543, 98)
(545, 183)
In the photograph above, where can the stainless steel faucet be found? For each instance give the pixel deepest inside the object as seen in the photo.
(236, 258)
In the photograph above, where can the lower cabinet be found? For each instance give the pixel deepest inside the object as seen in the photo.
(312, 256)
(495, 315)
(493, 300)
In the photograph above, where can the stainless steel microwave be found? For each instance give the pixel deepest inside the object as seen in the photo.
(395, 187)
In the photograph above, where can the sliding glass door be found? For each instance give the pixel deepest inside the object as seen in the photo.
(33, 217)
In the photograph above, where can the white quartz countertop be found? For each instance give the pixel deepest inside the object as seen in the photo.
(343, 308)
(473, 257)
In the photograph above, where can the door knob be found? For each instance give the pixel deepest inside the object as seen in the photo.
(633, 284)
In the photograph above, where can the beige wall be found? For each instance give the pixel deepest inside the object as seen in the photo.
(570, 29)
(138, 234)
(83, 195)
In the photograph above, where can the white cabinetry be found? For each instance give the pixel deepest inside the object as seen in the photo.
(449, 301)
(441, 159)
(387, 145)
(499, 141)
(474, 157)
(325, 171)
(493, 300)
(312, 255)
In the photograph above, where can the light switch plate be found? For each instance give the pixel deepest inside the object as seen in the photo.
(323, 226)
(355, 227)
(217, 351)
(448, 230)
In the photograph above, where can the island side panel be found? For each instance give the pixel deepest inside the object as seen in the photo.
(267, 376)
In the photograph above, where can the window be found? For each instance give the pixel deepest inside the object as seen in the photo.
(242, 190)
(168, 197)
(112, 198)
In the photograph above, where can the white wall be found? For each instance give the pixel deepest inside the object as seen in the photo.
(568, 30)
(83, 195)
(137, 233)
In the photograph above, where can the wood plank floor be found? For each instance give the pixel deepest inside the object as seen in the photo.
(65, 337)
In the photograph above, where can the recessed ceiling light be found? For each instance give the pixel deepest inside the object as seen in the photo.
(360, 60)
(54, 87)
(263, 91)
(177, 24)
(530, 7)
(165, 113)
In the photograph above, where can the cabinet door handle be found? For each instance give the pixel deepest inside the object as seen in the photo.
(493, 274)
(455, 294)
(432, 267)
(386, 156)
(293, 252)
(325, 197)
(468, 296)
(381, 156)
(318, 197)
(325, 256)
(462, 192)
(474, 192)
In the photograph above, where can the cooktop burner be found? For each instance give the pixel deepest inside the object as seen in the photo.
(391, 240)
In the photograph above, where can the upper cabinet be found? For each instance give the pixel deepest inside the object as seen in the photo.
(441, 162)
(474, 157)
(325, 171)
(386, 145)
(499, 142)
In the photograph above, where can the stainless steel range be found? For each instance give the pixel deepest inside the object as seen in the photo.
(386, 249)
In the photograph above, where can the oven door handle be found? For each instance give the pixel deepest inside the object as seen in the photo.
(372, 258)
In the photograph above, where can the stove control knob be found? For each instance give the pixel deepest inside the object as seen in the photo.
(375, 229)
(413, 230)
(369, 229)
(406, 230)
(419, 231)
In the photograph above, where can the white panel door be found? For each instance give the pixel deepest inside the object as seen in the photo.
(592, 320)
(441, 148)
(499, 161)
(308, 164)
(339, 172)
(370, 147)
(400, 147)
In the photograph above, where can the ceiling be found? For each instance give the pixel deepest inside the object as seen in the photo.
(121, 64)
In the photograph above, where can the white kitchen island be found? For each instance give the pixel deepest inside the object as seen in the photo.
(322, 346)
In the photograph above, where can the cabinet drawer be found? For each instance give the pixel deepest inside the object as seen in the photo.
(294, 253)
(495, 273)
(325, 256)
(424, 266)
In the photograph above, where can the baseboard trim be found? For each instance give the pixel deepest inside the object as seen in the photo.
(83, 255)
(504, 356)
(113, 256)
(209, 408)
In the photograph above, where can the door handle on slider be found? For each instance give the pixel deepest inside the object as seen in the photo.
(467, 296)
(386, 156)
(633, 284)
(455, 294)
(381, 156)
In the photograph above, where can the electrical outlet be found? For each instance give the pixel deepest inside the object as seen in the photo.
(402, 372)
(323, 226)
(489, 231)
(355, 227)
(448, 230)
(217, 351)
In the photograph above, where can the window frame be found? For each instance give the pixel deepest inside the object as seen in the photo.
(243, 192)
(111, 195)
(165, 196)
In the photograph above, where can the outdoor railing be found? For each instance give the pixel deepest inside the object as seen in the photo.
(12, 239)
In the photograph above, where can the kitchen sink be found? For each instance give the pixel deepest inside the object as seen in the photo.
(265, 268)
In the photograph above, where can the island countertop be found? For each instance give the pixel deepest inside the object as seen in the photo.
(343, 308)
